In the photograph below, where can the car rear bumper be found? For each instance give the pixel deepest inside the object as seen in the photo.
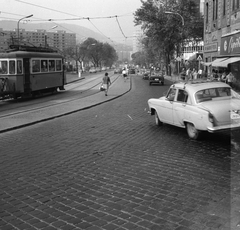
(223, 128)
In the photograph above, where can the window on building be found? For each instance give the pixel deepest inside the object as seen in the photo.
(216, 14)
(224, 7)
(237, 4)
(233, 5)
(207, 10)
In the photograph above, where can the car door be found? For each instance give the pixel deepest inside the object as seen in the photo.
(179, 107)
(166, 110)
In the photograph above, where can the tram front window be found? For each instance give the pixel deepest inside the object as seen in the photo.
(35, 66)
(44, 65)
(3, 67)
(12, 67)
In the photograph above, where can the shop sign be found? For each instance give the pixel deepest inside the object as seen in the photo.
(212, 47)
(230, 44)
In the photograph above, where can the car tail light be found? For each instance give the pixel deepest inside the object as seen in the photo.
(210, 117)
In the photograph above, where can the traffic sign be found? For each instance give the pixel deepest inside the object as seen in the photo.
(200, 57)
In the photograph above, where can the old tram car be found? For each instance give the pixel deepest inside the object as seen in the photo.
(26, 73)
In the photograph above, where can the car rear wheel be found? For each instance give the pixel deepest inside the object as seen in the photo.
(193, 133)
(157, 120)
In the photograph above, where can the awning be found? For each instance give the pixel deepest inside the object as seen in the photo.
(216, 62)
(228, 61)
(206, 63)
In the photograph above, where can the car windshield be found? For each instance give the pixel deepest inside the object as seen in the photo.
(212, 93)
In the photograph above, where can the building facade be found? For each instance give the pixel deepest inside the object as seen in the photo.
(58, 39)
(222, 36)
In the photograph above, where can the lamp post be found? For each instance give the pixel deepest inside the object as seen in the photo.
(18, 27)
(169, 12)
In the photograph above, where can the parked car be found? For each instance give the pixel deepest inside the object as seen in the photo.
(132, 71)
(156, 78)
(198, 107)
(117, 70)
(92, 70)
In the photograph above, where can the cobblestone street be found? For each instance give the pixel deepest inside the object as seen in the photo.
(110, 167)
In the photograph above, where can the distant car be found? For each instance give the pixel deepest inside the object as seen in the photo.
(156, 78)
(198, 107)
(117, 71)
(132, 71)
(92, 70)
(146, 74)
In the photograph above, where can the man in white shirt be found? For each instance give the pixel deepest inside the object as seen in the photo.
(200, 73)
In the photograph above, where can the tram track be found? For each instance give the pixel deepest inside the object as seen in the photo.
(59, 100)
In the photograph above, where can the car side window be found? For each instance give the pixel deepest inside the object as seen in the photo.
(171, 94)
(182, 96)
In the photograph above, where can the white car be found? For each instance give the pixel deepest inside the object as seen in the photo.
(92, 70)
(198, 106)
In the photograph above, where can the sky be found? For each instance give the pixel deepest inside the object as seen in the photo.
(101, 13)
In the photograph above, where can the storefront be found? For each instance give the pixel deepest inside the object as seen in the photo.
(229, 59)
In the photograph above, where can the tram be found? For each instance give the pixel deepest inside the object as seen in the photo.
(27, 72)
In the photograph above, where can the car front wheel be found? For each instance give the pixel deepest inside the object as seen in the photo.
(193, 133)
(157, 120)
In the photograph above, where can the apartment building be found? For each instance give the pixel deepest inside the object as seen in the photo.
(58, 39)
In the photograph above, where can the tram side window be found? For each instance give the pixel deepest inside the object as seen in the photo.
(35, 66)
(19, 66)
(58, 65)
(51, 65)
(12, 67)
(3, 67)
(44, 65)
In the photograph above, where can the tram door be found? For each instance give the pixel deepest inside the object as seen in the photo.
(27, 82)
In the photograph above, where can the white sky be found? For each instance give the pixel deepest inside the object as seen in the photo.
(16, 9)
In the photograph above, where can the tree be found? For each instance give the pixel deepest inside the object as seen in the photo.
(165, 33)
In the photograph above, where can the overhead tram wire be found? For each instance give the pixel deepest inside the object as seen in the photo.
(46, 8)
(120, 27)
(100, 31)
(79, 18)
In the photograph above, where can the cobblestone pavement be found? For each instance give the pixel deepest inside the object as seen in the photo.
(110, 167)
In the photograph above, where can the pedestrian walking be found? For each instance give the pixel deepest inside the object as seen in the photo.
(200, 73)
(106, 82)
(194, 74)
(124, 73)
(230, 79)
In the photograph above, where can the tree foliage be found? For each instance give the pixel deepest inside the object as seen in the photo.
(93, 51)
(166, 32)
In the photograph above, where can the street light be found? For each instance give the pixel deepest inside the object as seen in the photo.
(18, 27)
(169, 12)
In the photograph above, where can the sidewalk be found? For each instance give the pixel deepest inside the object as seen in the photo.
(117, 89)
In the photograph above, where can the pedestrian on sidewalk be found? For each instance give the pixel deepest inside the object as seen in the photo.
(124, 73)
(106, 82)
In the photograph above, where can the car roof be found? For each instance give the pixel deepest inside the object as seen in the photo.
(199, 85)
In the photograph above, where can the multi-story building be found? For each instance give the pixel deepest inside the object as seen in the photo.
(222, 36)
(58, 39)
(137, 38)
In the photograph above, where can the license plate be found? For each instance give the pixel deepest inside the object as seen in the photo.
(235, 116)
(156, 79)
